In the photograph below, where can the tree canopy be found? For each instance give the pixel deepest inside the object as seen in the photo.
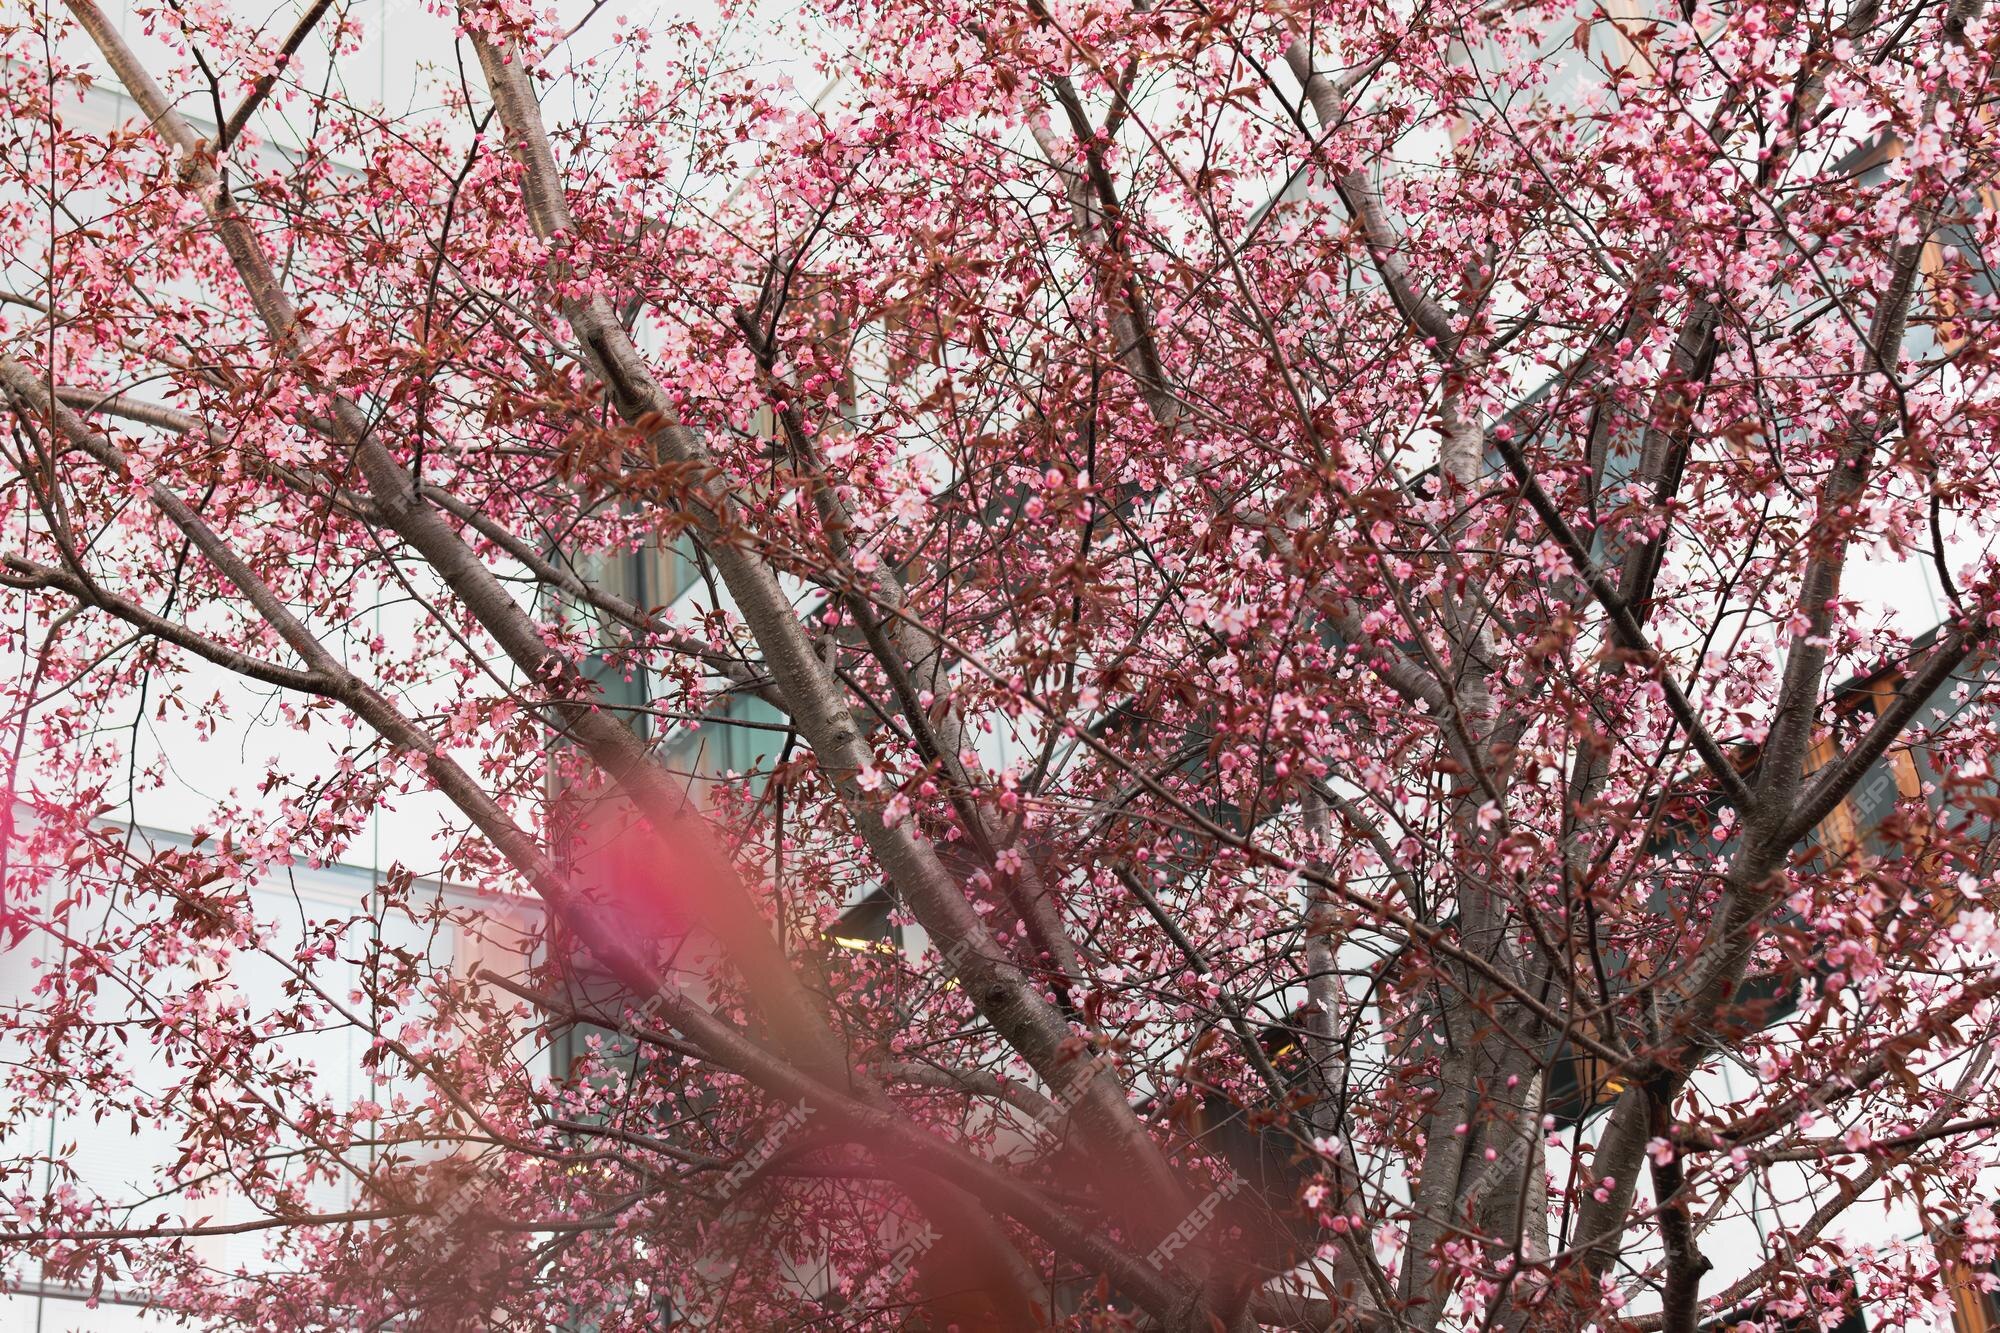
(1324, 570)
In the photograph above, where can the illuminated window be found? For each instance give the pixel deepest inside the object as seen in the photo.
(867, 926)
(1957, 269)
(1975, 1303)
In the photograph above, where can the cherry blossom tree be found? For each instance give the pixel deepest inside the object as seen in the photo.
(1313, 561)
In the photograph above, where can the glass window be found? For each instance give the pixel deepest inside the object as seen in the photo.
(742, 735)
